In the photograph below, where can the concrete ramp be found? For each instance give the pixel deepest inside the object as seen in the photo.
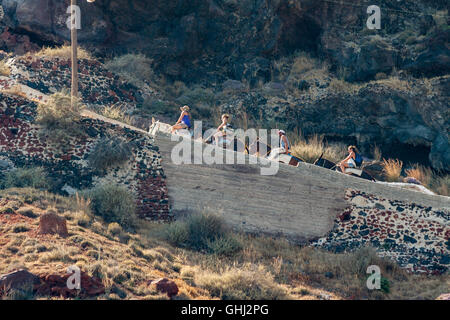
(300, 203)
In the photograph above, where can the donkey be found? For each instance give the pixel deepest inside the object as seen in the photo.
(256, 149)
(360, 173)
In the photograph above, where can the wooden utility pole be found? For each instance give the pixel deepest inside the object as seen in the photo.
(74, 41)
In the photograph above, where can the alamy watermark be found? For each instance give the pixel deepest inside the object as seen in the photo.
(74, 281)
(374, 280)
(74, 20)
(374, 20)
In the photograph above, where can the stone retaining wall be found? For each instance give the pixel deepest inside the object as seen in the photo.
(22, 142)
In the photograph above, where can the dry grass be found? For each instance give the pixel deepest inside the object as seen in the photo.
(311, 149)
(266, 268)
(376, 153)
(394, 83)
(116, 112)
(303, 63)
(392, 169)
(5, 70)
(59, 119)
(64, 52)
(438, 182)
(421, 173)
(441, 185)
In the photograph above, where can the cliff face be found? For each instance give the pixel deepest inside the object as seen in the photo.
(246, 33)
(207, 42)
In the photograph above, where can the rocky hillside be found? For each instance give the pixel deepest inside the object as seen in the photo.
(95, 243)
(42, 234)
(243, 37)
(243, 57)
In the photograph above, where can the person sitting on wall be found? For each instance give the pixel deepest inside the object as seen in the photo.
(353, 159)
(184, 121)
(285, 146)
(223, 129)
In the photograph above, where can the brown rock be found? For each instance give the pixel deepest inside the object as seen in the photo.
(17, 280)
(56, 285)
(165, 285)
(51, 223)
(445, 296)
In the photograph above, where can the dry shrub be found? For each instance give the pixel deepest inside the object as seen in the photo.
(380, 76)
(64, 52)
(59, 119)
(82, 219)
(311, 149)
(58, 112)
(114, 229)
(436, 181)
(392, 169)
(82, 204)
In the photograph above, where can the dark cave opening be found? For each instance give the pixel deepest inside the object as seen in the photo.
(299, 33)
(408, 153)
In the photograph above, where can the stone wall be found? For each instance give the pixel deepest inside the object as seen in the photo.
(415, 236)
(309, 203)
(22, 142)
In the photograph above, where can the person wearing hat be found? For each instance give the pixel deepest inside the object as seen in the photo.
(284, 142)
(284, 148)
(184, 121)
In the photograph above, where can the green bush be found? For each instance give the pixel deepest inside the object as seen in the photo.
(225, 246)
(26, 177)
(109, 152)
(114, 204)
(204, 232)
(134, 68)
